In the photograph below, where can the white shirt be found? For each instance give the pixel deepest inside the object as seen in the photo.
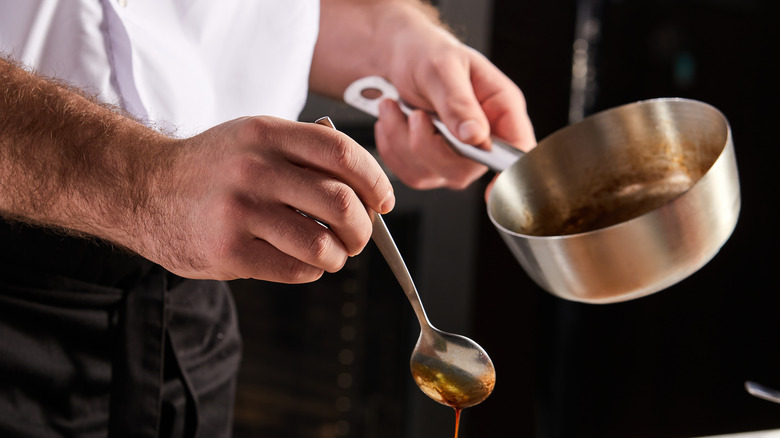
(182, 65)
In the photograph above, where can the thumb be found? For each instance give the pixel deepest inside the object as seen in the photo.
(462, 113)
(453, 98)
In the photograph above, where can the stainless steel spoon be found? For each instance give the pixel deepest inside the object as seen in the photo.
(451, 369)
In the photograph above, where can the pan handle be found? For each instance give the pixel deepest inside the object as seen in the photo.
(761, 391)
(366, 93)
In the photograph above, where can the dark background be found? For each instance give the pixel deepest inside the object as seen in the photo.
(331, 359)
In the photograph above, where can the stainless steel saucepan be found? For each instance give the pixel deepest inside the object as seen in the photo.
(627, 202)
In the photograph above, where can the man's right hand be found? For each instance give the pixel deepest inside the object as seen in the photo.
(221, 205)
(235, 192)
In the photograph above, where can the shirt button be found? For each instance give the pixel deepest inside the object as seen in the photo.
(122, 3)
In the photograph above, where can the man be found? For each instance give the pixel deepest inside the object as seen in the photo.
(199, 174)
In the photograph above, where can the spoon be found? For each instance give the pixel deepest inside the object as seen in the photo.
(451, 369)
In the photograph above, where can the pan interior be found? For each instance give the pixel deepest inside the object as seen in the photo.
(611, 167)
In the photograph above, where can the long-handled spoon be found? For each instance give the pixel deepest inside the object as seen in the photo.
(451, 369)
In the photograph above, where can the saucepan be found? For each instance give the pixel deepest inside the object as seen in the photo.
(627, 202)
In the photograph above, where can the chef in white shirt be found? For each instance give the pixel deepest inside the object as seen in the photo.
(149, 151)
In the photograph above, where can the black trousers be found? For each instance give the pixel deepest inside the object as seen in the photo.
(96, 342)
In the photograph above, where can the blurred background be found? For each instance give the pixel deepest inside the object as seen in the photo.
(330, 359)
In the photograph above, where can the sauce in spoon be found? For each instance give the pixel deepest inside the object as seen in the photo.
(455, 388)
(451, 369)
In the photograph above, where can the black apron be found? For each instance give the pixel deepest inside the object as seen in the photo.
(97, 342)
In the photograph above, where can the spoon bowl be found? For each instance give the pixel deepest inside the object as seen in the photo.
(452, 369)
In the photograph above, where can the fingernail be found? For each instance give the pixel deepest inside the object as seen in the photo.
(385, 106)
(470, 131)
(388, 203)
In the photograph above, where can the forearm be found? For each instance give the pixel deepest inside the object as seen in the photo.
(68, 162)
(216, 205)
(361, 38)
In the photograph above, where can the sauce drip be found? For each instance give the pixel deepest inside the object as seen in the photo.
(457, 420)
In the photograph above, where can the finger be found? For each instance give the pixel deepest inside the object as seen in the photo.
(451, 93)
(505, 107)
(259, 259)
(392, 138)
(425, 143)
(328, 200)
(337, 155)
(300, 237)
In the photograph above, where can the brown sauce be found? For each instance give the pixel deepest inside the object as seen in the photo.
(456, 390)
(457, 421)
(615, 203)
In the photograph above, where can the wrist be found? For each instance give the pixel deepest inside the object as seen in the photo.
(359, 38)
(137, 196)
(69, 162)
(402, 25)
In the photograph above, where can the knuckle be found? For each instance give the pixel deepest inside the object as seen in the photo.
(319, 246)
(255, 128)
(296, 272)
(438, 63)
(342, 200)
(342, 152)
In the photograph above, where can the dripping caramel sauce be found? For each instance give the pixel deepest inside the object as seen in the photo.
(457, 420)
(456, 390)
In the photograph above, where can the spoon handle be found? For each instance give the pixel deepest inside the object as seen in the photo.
(384, 241)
